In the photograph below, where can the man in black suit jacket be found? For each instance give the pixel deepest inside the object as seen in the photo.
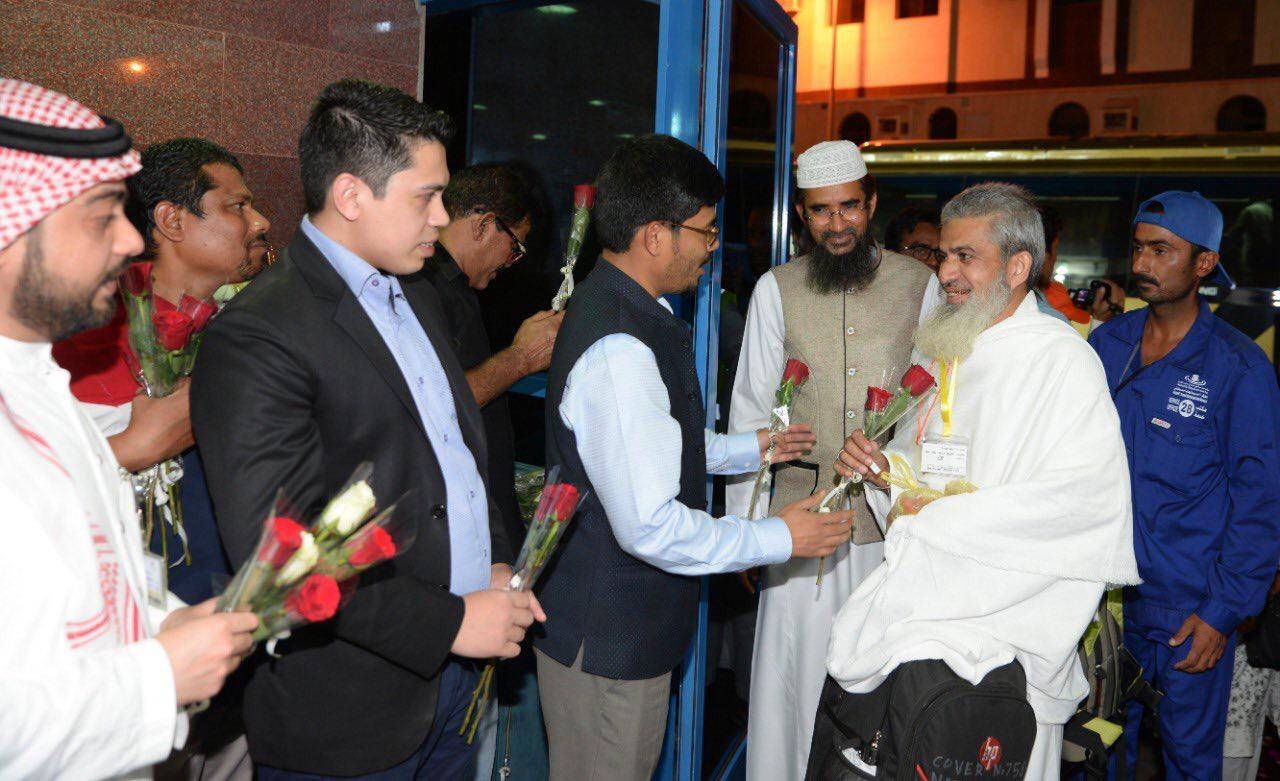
(330, 359)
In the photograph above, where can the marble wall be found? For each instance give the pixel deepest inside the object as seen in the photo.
(240, 72)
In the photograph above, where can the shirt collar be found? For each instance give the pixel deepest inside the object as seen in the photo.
(354, 270)
(1188, 352)
(446, 263)
(25, 356)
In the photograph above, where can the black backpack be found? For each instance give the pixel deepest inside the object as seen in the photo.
(1115, 677)
(925, 722)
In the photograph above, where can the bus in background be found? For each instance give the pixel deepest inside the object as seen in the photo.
(1096, 185)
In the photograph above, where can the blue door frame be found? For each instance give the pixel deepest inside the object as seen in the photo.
(692, 105)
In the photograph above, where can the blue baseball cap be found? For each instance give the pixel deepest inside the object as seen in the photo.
(1191, 217)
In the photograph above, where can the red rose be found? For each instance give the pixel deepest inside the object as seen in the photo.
(917, 380)
(284, 537)
(198, 310)
(316, 599)
(173, 328)
(797, 372)
(136, 279)
(877, 399)
(584, 195)
(372, 547)
(566, 501)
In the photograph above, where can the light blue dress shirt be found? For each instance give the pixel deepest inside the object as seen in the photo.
(382, 299)
(617, 406)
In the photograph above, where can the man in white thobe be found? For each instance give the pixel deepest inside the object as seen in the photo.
(88, 689)
(1014, 570)
(846, 307)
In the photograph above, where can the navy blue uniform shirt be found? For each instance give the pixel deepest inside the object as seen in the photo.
(1201, 427)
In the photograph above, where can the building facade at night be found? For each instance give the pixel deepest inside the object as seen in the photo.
(979, 69)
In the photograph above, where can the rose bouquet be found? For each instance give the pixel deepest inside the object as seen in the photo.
(163, 340)
(584, 197)
(298, 575)
(558, 503)
(793, 376)
(882, 410)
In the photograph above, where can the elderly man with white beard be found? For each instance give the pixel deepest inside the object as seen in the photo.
(1015, 569)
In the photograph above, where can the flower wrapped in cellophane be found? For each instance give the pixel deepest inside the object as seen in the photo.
(529, 482)
(298, 574)
(882, 410)
(794, 375)
(912, 494)
(163, 340)
(584, 197)
(558, 503)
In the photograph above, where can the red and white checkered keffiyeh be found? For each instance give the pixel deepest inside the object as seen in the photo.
(32, 186)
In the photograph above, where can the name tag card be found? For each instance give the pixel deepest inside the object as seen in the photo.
(945, 456)
(157, 580)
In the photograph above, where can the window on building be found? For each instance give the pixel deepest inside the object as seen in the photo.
(1222, 37)
(1075, 30)
(851, 11)
(1070, 120)
(942, 124)
(910, 8)
(856, 128)
(1242, 114)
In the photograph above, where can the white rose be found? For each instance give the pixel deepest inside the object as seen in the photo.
(300, 563)
(347, 510)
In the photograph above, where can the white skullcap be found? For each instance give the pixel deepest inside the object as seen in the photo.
(828, 163)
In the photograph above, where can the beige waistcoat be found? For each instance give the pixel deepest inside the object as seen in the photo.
(849, 340)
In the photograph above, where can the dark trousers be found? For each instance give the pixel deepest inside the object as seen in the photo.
(1193, 713)
(443, 755)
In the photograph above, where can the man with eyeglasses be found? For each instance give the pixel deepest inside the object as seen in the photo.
(914, 232)
(626, 424)
(491, 210)
(847, 307)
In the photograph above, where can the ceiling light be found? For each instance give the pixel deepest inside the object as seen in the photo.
(539, 136)
(135, 66)
(557, 10)
(383, 27)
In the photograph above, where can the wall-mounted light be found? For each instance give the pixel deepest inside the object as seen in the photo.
(479, 107)
(557, 10)
(539, 136)
(596, 102)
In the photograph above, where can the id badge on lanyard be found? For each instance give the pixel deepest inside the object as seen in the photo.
(157, 575)
(946, 455)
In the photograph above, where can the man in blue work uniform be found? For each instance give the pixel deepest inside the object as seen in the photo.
(1200, 412)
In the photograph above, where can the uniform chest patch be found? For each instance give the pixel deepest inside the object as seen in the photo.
(1189, 397)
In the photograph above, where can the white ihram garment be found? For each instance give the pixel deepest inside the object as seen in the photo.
(84, 693)
(1016, 569)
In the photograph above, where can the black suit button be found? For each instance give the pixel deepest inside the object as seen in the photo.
(437, 512)
(689, 395)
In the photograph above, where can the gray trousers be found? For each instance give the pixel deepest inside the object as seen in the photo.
(601, 728)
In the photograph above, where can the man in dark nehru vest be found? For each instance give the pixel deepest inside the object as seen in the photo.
(625, 421)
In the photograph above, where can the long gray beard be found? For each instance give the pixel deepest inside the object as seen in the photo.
(951, 329)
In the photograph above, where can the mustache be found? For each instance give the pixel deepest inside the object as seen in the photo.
(1144, 278)
(956, 287)
(850, 232)
(261, 238)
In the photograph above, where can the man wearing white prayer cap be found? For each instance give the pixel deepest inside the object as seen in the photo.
(847, 307)
(89, 688)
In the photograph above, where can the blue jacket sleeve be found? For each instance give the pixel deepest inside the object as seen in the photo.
(1242, 574)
